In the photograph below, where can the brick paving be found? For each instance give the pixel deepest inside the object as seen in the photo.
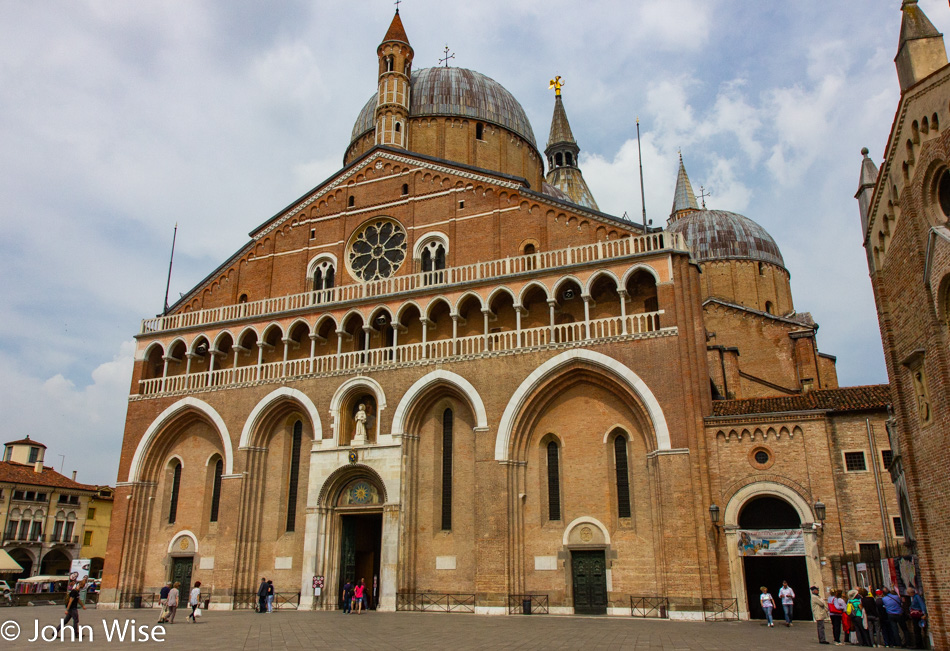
(325, 630)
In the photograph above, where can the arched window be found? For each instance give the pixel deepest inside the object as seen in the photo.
(568, 158)
(352, 200)
(447, 470)
(768, 307)
(554, 483)
(389, 63)
(176, 485)
(294, 476)
(216, 490)
(433, 259)
(558, 160)
(479, 131)
(398, 127)
(407, 68)
(405, 188)
(623, 477)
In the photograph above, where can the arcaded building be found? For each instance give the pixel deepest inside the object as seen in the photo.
(905, 214)
(445, 371)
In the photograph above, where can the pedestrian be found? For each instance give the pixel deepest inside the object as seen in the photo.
(768, 604)
(856, 618)
(262, 596)
(194, 600)
(270, 596)
(73, 602)
(918, 616)
(365, 595)
(836, 608)
(894, 606)
(348, 597)
(872, 617)
(173, 596)
(358, 596)
(163, 602)
(882, 613)
(819, 609)
(787, 595)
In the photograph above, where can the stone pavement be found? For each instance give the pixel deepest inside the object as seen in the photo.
(332, 630)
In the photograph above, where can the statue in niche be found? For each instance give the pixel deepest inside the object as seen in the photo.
(923, 401)
(360, 436)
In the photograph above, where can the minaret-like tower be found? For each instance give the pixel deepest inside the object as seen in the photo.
(684, 199)
(921, 50)
(392, 104)
(561, 152)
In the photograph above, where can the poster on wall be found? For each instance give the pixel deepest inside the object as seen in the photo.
(771, 542)
(79, 570)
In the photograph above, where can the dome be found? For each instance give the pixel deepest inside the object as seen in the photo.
(723, 235)
(456, 92)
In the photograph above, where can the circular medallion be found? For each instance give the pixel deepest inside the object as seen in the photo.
(379, 164)
(377, 250)
(352, 456)
(184, 544)
(586, 534)
(361, 493)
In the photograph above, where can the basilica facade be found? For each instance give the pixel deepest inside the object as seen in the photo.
(445, 371)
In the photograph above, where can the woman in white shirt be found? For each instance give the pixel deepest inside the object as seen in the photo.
(768, 604)
(194, 599)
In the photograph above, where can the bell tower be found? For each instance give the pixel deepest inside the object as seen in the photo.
(392, 104)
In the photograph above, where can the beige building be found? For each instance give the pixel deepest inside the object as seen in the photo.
(447, 372)
(43, 512)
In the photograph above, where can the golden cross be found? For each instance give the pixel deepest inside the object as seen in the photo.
(556, 84)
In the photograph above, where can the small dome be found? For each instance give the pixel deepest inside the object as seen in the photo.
(723, 235)
(456, 92)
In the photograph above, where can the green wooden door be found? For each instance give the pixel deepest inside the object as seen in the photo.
(181, 573)
(589, 571)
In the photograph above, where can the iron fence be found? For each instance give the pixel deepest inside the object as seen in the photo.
(649, 606)
(138, 600)
(437, 602)
(527, 604)
(720, 610)
(250, 601)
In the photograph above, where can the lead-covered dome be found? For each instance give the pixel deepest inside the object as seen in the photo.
(723, 235)
(456, 92)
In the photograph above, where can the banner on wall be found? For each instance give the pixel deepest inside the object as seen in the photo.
(771, 542)
(79, 570)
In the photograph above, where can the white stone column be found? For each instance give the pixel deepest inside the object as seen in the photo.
(308, 566)
(518, 311)
(551, 304)
(485, 312)
(389, 557)
(165, 359)
(313, 350)
(623, 310)
(260, 359)
(425, 327)
(586, 317)
(455, 334)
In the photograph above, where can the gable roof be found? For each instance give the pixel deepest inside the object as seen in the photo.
(27, 441)
(22, 473)
(863, 398)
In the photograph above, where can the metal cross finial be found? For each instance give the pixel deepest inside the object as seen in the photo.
(447, 56)
(703, 194)
(397, 5)
(556, 84)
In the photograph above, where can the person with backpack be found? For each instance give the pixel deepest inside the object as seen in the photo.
(871, 617)
(855, 612)
(918, 616)
(894, 606)
(836, 606)
(768, 604)
(348, 598)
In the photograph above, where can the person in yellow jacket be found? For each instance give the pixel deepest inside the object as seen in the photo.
(819, 610)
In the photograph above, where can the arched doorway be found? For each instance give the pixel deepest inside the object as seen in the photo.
(25, 560)
(770, 513)
(55, 563)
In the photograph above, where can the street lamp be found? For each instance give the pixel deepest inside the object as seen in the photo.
(714, 514)
(820, 510)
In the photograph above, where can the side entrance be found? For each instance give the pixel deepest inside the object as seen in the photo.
(589, 573)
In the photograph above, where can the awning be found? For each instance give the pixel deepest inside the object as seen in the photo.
(8, 565)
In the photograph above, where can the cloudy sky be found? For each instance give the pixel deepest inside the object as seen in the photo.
(120, 118)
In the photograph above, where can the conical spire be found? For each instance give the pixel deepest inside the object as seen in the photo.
(684, 199)
(561, 152)
(921, 51)
(396, 31)
(560, 127)
(866, 184)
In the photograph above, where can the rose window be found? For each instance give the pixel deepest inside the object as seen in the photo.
(378, 250)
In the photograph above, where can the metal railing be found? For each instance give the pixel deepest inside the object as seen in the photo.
(720, 610)
(437, 602)
(525, 340)
(527, 604)
(479, 271)
(139, 600)
(649, 606)
(250, 601)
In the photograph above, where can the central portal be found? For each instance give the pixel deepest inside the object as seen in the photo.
(360, 546)
(589, 570)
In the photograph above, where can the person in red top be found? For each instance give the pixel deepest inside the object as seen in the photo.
(836, 606)
(358, 596)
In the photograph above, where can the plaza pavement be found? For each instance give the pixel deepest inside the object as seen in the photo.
(332, 630)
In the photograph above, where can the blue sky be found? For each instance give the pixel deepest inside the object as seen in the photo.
(121, 118)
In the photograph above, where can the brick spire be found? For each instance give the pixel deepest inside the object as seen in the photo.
(561, 152)
(396, 31)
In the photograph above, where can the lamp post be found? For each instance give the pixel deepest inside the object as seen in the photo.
(714, 515)
(820, 511)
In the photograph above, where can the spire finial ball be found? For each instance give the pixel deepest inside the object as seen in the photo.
(865, 151)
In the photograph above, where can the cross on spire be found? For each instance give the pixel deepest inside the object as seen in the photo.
(447, 56)
(556, 84)
(397, 5)
(703, 194)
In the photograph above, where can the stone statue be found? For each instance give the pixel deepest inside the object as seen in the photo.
(360, 436)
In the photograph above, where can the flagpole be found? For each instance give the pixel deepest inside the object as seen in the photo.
(170, 261)
(643, 202)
